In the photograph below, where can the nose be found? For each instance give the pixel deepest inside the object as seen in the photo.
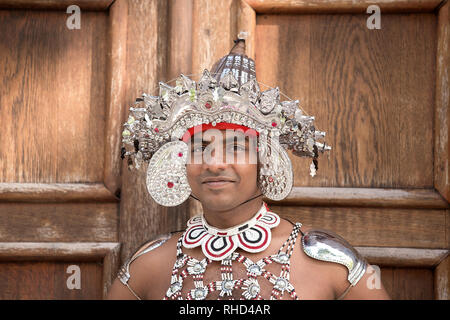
(214, 160)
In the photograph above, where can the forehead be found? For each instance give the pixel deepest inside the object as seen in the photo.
(211, 135)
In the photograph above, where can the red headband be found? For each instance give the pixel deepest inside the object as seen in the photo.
(219, 126)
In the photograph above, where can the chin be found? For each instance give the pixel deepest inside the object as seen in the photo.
(220, 203)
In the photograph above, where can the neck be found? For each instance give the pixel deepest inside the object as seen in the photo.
(224, 219)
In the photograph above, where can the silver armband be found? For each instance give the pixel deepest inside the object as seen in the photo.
(328, 246)
(124, 272)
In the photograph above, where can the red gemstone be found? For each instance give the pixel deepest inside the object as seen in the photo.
(274, 124)
(156, 130)
(207, 105)
(170, 184)
(270, 179)
(180, 154)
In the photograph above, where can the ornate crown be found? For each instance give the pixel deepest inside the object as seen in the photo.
(231, 94)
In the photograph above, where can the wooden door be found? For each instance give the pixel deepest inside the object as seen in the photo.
(63, 99)
(58, 212)
(67, 201)
(382, 97)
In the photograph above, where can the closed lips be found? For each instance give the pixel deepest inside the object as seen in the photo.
(212, 180)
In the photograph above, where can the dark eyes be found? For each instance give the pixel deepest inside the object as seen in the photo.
(231, 148)
(237, 148)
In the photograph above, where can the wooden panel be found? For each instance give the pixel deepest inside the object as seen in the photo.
(56, 4)
(376, 227)
(147, 38)
(105, 254)
(442, 114)
(180, 49)
(341, 6)
(116, 94)
(408, 283)
(55, 192)
(247, 23)
(47, 280)
(213, 29)
(58, 222)
(364, 197)
(403, 257)
(60, 251)
(442, 280)
(371, 90)
(53, 82)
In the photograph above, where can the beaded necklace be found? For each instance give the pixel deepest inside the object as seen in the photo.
(251, 236)
(186, 266)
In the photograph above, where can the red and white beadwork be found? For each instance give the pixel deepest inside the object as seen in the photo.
(251, 236)
(188, 280)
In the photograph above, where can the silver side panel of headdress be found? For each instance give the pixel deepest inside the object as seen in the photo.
(328, 246)
(124, 272)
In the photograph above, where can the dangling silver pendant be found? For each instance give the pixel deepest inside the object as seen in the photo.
(275, 175)
(166, 174)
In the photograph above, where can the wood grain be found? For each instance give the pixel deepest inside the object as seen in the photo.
(403, 257)
(370, 90)
(442, 112)
(147, 43)
(55, 4)
(408, 283)
(364, 197)
(59, 222)
(180, 40)
(55, 192)
(60, 251)
(246, 22)
(413, 228)
(105, 254)
(214, 27)
(442, 280)
(53, 82)
(341, 6)
(47, 280)
(115, 94)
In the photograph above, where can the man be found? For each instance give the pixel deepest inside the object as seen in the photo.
(226, 151)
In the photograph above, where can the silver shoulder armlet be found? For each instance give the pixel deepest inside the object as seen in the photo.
(328, 246)
(124, 272)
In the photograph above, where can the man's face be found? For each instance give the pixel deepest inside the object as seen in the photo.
(222, 169)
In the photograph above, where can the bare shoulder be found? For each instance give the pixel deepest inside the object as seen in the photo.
(145, 274)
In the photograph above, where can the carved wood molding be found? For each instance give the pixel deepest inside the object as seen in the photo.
(436, 259)
(99, 5)
(403, 257)
(364, 197)
(442, 280)
(109, 190)
(442, 104)
(431, 198)
(341, 6)
(116, 102)
(55, 192)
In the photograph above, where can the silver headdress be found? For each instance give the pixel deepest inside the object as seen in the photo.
(230, 94)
